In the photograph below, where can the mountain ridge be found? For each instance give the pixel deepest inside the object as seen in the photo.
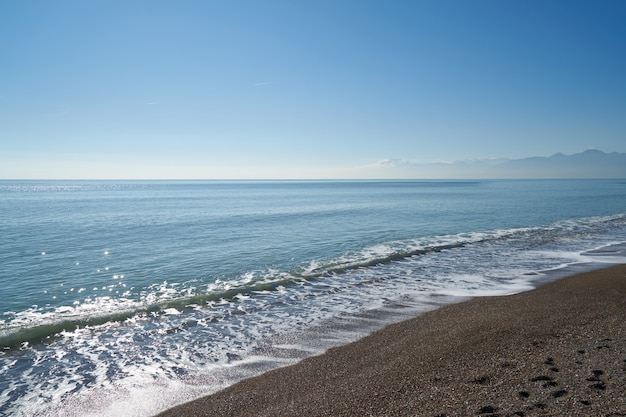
(591, 163)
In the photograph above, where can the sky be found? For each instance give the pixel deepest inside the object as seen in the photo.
(131, 89)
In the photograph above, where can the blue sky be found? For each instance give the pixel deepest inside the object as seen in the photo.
(302, 89)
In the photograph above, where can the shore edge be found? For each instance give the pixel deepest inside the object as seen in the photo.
(559, 349)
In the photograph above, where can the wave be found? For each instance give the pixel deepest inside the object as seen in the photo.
(35, 326)
(401, 250)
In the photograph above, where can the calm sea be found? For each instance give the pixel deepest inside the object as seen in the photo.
(125, 298)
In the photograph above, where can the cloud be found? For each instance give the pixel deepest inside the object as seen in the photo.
(261, 84)
(391, 163)
(60, 111)
(387, 162)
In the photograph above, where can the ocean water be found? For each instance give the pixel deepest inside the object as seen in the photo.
(125, 298)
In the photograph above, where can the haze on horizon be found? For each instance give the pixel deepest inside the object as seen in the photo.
(298, 90)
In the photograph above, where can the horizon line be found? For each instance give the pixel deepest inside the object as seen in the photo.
(313, 179)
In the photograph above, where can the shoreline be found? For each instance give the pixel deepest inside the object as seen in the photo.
(559, 349)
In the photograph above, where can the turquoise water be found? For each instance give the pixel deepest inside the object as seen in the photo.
(116, 290)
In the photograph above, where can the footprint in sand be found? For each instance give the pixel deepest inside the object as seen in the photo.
(599, 384)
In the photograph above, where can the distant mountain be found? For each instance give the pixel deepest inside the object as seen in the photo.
(588, 164)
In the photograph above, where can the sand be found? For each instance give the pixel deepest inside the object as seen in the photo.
(558, 350)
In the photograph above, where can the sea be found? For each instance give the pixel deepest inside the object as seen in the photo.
(129, 297)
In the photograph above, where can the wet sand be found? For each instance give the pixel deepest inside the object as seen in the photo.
(558, 350)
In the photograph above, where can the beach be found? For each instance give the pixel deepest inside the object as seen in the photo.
(558, 350)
